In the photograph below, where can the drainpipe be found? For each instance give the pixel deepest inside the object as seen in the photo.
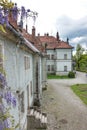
(18, 34)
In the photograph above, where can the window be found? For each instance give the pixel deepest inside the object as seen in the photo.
(52, 67)
(31, 88)
(48, 68)
(65, 56)
(48, 57)
(65, 68)
(52, 57)
(22, 102)
(26, 62)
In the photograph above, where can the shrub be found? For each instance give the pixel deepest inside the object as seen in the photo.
(71, 74)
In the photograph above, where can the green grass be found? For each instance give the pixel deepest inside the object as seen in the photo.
(52, 76)
(81, 91)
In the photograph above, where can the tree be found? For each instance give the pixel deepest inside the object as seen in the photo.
(83, 62)
(79, 52)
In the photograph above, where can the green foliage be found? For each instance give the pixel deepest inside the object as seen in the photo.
(71, 74)
(81, 91)
(81, 59)
(79, 53)
(2, 29)
(53, 76)
(6, 4)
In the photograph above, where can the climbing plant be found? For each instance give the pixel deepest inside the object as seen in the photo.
(7, 8)
(7, 98)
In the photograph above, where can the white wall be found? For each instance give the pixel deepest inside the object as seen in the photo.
(17, 77)
(59, 61)
(61, 52)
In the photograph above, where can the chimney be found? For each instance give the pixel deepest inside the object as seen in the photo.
(33, 31)
(11, 18)
(38, 34)
(67, 40)
(57, 36)
(47, 34)
(26, 28)
(20, 25)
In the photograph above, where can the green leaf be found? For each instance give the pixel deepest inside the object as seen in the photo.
(17, 126)
(2, 28)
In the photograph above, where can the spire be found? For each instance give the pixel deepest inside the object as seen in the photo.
(57, 36)
(67, 40)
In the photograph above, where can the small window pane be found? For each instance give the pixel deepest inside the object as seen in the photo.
(65, 68)
(65, 56)
(48, 67)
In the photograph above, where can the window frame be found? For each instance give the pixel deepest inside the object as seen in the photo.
(52, 56)
(65, 68)
(52, 67)
(48, 56)
(48, 67)
(26, 62)
(65, 56)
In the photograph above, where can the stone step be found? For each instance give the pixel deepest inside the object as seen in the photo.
(37, 119)
(31, 112)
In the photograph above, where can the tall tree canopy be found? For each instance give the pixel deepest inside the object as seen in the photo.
(79, 53)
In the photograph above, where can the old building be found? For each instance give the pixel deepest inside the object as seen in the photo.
(59, 53)
(23, 63)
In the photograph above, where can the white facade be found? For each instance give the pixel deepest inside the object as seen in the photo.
(19, 66)
(59, 61)
(18, 78)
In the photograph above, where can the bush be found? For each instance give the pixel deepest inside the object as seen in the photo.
(71, 74)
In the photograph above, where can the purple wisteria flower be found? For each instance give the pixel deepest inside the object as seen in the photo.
(14, 102)
(23, 12)
(1, 125)
(14, 12)
(2, 108)
(6, 124)
(3, 82)
(8, 97)
(3, 16)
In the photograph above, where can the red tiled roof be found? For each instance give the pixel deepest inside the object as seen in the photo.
(34, 40)
(63, 44)
(53, 43)
(40, 41)
(48, 39)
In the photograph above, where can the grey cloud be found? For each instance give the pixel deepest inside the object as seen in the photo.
(75, 30)
(71, 28)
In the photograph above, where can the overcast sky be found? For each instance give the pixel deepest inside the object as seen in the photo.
(68, 17)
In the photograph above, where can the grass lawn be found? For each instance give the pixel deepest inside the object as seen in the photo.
(81, 91)
(51, 76)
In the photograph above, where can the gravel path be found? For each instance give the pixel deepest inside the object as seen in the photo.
(64, 109)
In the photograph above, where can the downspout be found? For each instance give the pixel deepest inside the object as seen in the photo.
(18, 34)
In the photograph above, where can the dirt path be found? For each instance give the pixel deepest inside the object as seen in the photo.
(64, 109)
